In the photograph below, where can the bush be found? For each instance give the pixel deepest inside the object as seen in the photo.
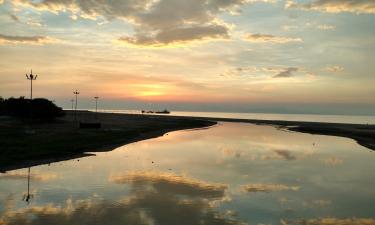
(21, 107)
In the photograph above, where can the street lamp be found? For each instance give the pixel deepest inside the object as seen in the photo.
(96, 103)
(75, 111)
(72, 100)
(31, 77)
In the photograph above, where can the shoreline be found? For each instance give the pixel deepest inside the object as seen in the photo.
(105, 148)
(122, 129)
(63, 140)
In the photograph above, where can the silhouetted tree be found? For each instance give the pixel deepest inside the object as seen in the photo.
(2, 105)
(20, 107)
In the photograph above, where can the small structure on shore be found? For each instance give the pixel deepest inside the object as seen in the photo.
(165, 111)
(89, 124)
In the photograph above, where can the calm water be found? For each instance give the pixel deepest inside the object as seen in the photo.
(268, 116)
(228, 174)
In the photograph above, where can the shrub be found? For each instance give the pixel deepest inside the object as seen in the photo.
(21, 107)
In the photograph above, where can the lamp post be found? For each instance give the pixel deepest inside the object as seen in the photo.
(72, 100)
(31, 77)
(75, 111)
(96, 106)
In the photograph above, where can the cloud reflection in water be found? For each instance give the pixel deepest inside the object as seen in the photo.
(155, 198)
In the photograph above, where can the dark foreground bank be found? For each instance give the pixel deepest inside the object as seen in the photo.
(46, 142)
(22, 146)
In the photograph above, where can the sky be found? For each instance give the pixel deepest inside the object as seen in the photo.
(274, 56)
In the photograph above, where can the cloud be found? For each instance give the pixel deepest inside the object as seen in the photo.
(268, 38)
(30, 21)
(178, 35)
(289, 27)
(24, 175)
(325, 27)
(288, 72)
(280, 154)
(309, 25)
(231, 152)
(39, 40)
(144, 208)
(315, 25)
(319, 203)
(14, 17)
(330, 221)
(238, 71)
(334, 69)
(156, 23)
(287, 155)
(88, 9)
(172, 183)
(333, 161)
(154, 198)
(267, 188)
(274, 72)
(34, 23)
(336, 6)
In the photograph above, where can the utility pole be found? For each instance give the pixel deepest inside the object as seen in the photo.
(31, 77)
(96, 106)
(75, 111)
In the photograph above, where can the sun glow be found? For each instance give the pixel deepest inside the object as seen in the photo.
(150, 90)
(150, 93)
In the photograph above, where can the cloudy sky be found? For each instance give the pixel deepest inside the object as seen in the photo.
(301, 56)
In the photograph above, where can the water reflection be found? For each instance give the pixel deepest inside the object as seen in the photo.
(267, 188)
(229, 174)
(155, 198)
(171, 183)
(28, 196)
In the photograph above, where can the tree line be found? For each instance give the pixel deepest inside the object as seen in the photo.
(38, 108)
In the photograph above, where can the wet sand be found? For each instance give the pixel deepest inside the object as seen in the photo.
(62, 139)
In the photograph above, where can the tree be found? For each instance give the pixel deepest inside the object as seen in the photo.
(20, 107)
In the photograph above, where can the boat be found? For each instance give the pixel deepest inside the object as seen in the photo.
(163, 112)
(157, 112)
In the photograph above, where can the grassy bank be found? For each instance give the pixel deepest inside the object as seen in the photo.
(44, 142)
